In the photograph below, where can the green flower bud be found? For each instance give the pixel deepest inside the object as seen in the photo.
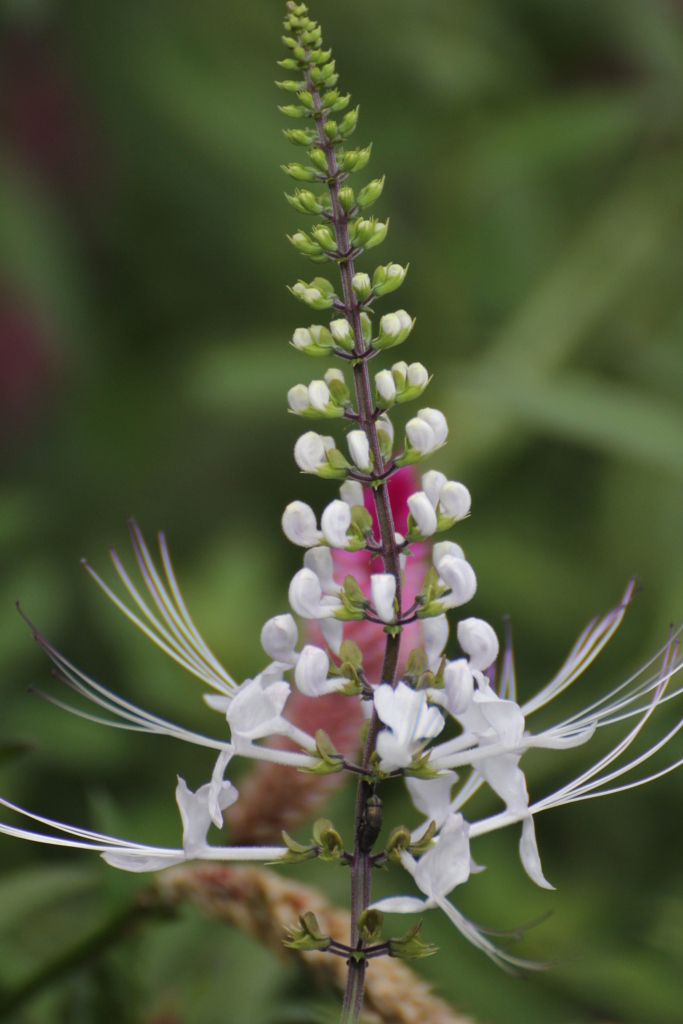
(342, 333)
(307, 935)
(346, 198)
(361, 231)
(340, 104)
(305, 202)
(370, 925)
(379, 233)
(388, 279)
(349, 122)
(361, 286)
(327, 71)
(324, 236)
(299, 172)
(394, 328)
(299, 136)
(289, 42)
(304, 340)
(398, 841)
(319, 294)
(291, 86)
(319, 56)
(416, 381)
(371, 193)
(289, 64)
(305, 99)
(304, 244)
(400, 374)
(354, 160)
(290, 110)
(366, 326)
(331, 130)
(318, 159)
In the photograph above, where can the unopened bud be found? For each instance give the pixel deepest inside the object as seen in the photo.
(297, 397)
(335, 521)
(362, 286)
(359, 449)
(388, 279)
(385, 387)
(299, 524)
(346, 198)
(319, 395)
(371, 193)
(479, 640)
(455, 500)
(383, 593)
(342, 333)
(423, 513)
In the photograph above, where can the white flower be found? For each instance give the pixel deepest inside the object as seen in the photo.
(361, 285)
(335, 522)
(393, 325)
(420, 435)
(256, 709)
(437, 421)
(310, 451)
(417, 375)
(333, 633)
(359, 448)
(458, 687)
(318, 395)
(306, 596)
(334, 374)
(321, 562)
(302, 338)
(341, 330)
(423, 513)
(196, 813)
(410, 724)
(443, 548)
(479, 640)
(310, 674)
(455, 500)
(351, 491)
(297, 398)
(383, 592)
(432, 482)
(434, 636)
(279, 638)
(299, 525)
(385, 386)
(459, 575)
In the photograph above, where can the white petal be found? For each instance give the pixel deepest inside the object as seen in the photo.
(385, 385)
(420, 435)
(318, 395)
(455, 500)
(447, 864)
(297, 398)
(423, 513)
(279, 638)
(400, 905)
(140, 862)
(432, 797)
(479, 640)
(530, 857)
(435, 637)
(359, 448)
(458, 686)
(310, 674)
(305, 595)
(310, 452)
(351, 491)
(432, 482)
(437, 421)
(383, 592)
(321, 562)
(443, 548)
(333, 632)
(335, 521)
(459, 575)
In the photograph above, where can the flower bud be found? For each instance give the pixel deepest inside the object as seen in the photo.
(455, 500)
(479, 640)
(370, 194)
(400, 374)
(458, 684)
(305, 245)
(379, 233)
(310, 674)
(335, 521)
(351, 492)
(319, 395)
(366, 327)
(324, 236)
(279, 637)
(435, 637)
(385, 387)
(432, 482)
(459, 575)
(348, 125)
(443, 548)
(362, 286)
(388, 279)
(417, 375)
(393, 329)
(437, 421)
(334, 374)
(310, 452)
(298, 171)
(346, 198)
(420, 436)
(299, 525)
(297, 398)
(423, 512)
(359, 449)
(342, 333)
(315, 155)
(319, 294)
(385, 424)
(321, 337)
(383, 593)
(305, 595)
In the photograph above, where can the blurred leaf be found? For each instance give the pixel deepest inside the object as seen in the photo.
(28, 892)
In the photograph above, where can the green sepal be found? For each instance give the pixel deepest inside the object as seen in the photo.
(370, 925)
(318, 159)
(291, 110)
(337, 460)
(328, 752)
(371, 193)
(410, 946)
(300, 136)
(305, 201)
(420, 768)
(354, 160)
(438, 683)
(346, 198)
(291, 86)
(289, 64)
(305, 99)
(398, 841)
(340, 392)
(443, 522)
(361, 518)
(393, 629)
(307, 935)
(353, 688)
(299, 172)
(297, 853)
(416, 665)
(327, 295)
(348, 613)
(410, 455)
(289, 42)
(377, 772)
(423, 844)
(432, 609)
(353, 592)
(328, 839)
(331, 130)
(319, 56)
(363, 732)
(348, 123)
(386, 445)
(351, 652)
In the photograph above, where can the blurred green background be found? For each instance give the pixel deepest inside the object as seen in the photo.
(534, 160)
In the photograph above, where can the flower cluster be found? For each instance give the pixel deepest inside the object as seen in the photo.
(472, 695)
